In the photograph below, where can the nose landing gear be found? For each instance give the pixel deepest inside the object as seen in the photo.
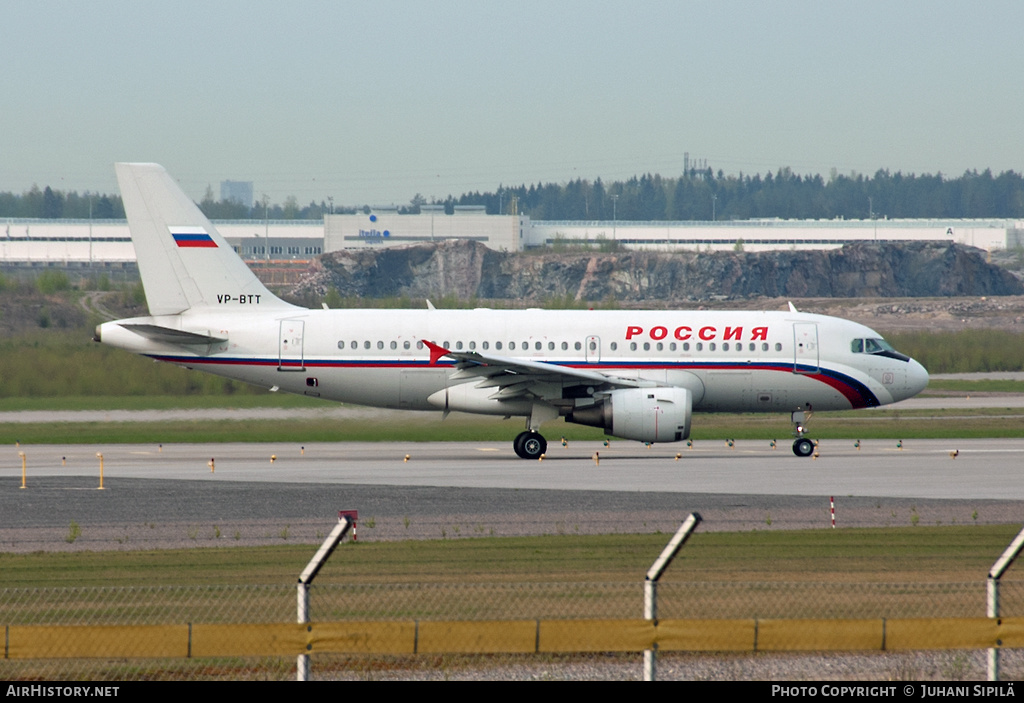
(801, 445)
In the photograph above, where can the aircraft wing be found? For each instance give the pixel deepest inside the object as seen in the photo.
(514, 377)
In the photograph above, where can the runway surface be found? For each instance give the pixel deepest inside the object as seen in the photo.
(161, 497)
(983, 468)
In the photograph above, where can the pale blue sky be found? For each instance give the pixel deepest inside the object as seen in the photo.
(374, 102)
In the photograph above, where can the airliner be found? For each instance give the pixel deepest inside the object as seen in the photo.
(638, 375)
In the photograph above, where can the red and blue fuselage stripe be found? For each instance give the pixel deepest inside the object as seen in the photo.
(858, 394)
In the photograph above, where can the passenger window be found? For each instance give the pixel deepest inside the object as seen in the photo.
(711, 346)
(497, 345)
(614, 346)
(778, 346)
(485, 345)
(725, 346)
(537, 346)
(647, 346)
(551, 346)
(366, 344)
(458, 345)
(659, 346)
(511, 345)
(341, 345)
(632, 346)
(406, 345)
(380, 344)
(472, 345)
(686, 346)
(565, 346)
(419, 344)
(764, 346)
(394, 345)
(700, 346)
(578, 346)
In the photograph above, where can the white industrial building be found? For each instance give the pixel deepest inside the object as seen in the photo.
(774, 234)
(389, 228)
(78, 243)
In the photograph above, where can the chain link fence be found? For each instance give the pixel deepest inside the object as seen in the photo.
(509, 604)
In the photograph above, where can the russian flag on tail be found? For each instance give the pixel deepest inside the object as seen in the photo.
(192, 237)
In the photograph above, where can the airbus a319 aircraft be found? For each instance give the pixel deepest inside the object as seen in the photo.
(638, 375)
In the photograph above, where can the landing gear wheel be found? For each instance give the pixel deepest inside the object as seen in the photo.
(530, 445)
(803, 447)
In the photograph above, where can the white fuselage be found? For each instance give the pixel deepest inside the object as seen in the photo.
(732, 361)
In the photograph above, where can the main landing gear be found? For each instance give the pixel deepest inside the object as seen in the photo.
(530, 445)
(801, 445)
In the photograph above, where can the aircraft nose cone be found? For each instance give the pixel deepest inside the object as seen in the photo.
(917, 379)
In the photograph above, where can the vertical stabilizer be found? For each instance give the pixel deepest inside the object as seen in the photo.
(184, 262)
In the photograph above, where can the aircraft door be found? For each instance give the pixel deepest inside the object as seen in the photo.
(593, 349)
(290, 349)
(805, 347)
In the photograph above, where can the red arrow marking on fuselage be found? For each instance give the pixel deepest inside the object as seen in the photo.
(436, 351)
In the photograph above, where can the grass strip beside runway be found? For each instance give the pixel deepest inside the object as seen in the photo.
(948, 553)
(422, 427)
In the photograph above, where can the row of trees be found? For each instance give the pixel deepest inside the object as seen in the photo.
(55, 204)
(703, 195)
(695, 195)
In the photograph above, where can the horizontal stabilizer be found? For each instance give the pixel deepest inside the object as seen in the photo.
(168, 335)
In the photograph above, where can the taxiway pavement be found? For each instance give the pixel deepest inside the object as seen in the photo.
(161, 497)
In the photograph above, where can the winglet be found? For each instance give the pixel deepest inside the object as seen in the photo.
(792, 308)
(436, 351)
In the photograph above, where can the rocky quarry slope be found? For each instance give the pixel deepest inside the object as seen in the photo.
(469, 269)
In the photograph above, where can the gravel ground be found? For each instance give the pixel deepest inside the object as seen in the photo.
(883, 666)
(166, 514)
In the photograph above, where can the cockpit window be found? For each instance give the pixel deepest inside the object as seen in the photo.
(873, 346)
(878, 347)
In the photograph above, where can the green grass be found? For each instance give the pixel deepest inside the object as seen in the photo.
(417, 428)
(958, 386)
(429, 427)
(266, 399)
(963, 351)
(947, 553)
(162, 402)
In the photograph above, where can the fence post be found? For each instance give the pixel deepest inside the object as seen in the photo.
(651, 586)
(994, 574)
(306, 579)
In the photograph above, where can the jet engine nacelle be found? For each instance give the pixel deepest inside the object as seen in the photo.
(467, 398)
(643, 414)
